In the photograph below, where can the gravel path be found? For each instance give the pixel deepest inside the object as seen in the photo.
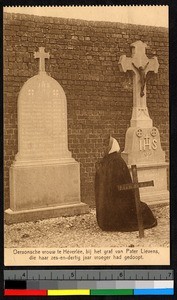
(83, 231)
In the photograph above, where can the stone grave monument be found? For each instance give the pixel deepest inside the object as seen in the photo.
(44, 178)
(142, 141)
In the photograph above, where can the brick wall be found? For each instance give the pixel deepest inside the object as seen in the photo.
(84, 60)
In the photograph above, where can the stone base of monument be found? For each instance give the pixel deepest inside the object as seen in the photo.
(143, 149)
(157, 194)
(40, 191)
(45, 213)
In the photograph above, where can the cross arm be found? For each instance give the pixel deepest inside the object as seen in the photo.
(41, 53)
(125, 63)
(36, 55)
(135, 185)
(153, 65)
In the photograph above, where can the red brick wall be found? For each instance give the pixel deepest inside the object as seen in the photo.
(84, 60)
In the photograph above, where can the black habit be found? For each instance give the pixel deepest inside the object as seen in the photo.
(116, 210)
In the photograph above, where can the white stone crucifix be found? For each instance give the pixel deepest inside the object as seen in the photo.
(42, 55)
(140, 64)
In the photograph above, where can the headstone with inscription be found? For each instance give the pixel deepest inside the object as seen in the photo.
(44, 178)
(142, 142)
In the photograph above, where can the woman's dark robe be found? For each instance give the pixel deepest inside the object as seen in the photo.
(116, 210)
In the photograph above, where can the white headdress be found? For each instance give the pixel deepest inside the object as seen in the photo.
(113, 145)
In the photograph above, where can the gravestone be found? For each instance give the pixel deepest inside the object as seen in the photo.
(44, 178)
(142, 141)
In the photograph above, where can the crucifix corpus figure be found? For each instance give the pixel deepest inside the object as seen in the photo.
(140, 64)
(141, 70)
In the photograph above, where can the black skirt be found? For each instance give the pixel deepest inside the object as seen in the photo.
(116, 210)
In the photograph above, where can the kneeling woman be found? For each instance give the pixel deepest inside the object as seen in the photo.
(116, 210)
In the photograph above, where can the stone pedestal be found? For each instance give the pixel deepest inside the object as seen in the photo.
(44, 178)
(12, 217)
(143, 148)
(42, 191)
(44, 185)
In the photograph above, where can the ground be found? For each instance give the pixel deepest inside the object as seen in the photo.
(83, 231)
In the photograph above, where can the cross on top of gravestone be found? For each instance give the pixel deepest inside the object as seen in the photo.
(42, 55)
(140, 64)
